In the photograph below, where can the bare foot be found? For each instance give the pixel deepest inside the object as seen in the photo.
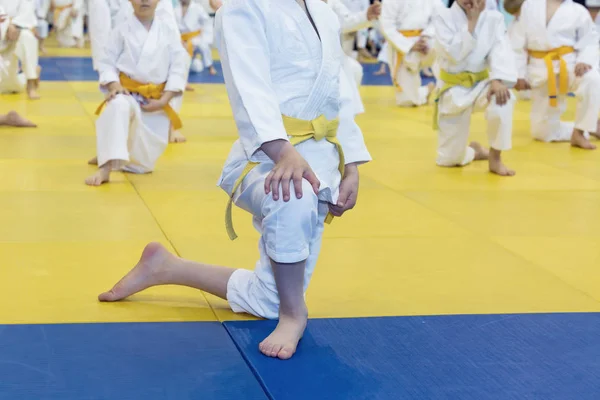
(32, 93)
(481, 153)
(14, 119)
(101, 176)
(176, 137)
(189, 88)
(93, 161)
(212, 70)
(578, 140)
(381, 71)
(147, 272)
(282, 343)
(496, 165)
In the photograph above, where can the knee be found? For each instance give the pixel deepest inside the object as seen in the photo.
(495, 110)
(591, 83)
(289, 226)
(119, 103)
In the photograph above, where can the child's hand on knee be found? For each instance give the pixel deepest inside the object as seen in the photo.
(581, 69)
(115, 88)
(289, 166)
(348, 192)
(499, 89)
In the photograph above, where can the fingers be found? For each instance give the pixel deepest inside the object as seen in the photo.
(275, 182)
(313, 180)
(268, 182)
(297, 178)
(285, 185)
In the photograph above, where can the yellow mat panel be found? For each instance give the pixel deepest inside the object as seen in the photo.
(422, 240)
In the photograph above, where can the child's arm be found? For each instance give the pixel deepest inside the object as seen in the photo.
(107, 64)
(503, 66)
(77, 8)
(353, 22)
(179, 63)
(244, 50)
(588, 52)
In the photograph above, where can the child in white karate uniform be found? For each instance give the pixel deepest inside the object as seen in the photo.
(196, 30)
(296, 161)
(144, 67)
(558, 46)
(477, 68)
(513, 7)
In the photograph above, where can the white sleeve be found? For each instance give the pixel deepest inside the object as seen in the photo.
(437, 7)
(454, 45)
(389, 11)
(349, 134)
(43, 9)
(78, 5)
(107, 65)
(518, 40)
(350, 22)
(503, 65)
(179, 62)
(26, 17)
(204, 18)
(587, 48)
(244, 50)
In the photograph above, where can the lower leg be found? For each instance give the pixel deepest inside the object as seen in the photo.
(32, 87)
(293, 314)
(496, 165)
(159, 267)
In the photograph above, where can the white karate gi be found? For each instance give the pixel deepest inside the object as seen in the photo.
(405, 15)
(69, 29)
(459, 51)
(351, 23)
(274, 64)
(124, 132)
(491, 5)
(572, 26)
(197, 19)
(42, 7)
(513, 28)
(362, 35)
(25, 50)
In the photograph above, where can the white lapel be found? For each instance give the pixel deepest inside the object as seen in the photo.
(150, 38)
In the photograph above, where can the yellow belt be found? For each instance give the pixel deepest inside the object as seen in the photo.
(59, 9)
(400, 56)
(465, 79)
(186, 38)
(299, 131)
(149, 91)
(549, 57)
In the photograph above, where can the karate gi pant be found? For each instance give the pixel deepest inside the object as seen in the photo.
(456, 107)
(43, 28)
(25, 51)
(546, 125)
(409, 77)
(205, 51)
(69, 30)
(134, 138)
(290, 233)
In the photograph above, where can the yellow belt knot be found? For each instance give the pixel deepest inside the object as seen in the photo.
(464, 79)
(299, 131)
(549, 57)
(150, 91)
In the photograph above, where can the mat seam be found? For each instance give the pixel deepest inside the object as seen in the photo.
(254, 371)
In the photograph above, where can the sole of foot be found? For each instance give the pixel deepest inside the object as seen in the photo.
(283, 342)
(101, 177)
(145, 274)
(579, 141)
(14, 119)
(481, 153)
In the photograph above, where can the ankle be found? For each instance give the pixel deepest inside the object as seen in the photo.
(495, 155)
(294, 312)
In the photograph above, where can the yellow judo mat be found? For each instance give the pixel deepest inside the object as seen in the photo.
(423, 240)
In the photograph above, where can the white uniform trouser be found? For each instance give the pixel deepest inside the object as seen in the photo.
(290, 233)
(134, 138)
(409, 77)
(43, 28)
(455, 121)
(69, 30)
(100, 24)
(25, 50)
(545, 120)
(203, 45)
